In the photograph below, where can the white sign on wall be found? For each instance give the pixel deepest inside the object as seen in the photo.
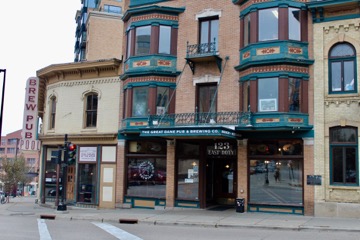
(88, 154)
(29, 132)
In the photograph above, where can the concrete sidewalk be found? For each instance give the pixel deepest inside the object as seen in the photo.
(195, 217)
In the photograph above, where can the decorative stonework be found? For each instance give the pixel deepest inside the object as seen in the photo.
(338, 102)
(246, 55)
(343, 27)
(206, 79)
(164, 63)
(150, 78)
(295, 50)
(296, 120)
(83, 82)
(276, 68)
(267, 51)
(154, 16)
(143, 63)
(208, 13)
(267, 120)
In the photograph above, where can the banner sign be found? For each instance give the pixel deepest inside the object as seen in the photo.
(189, 132)
(29, 132)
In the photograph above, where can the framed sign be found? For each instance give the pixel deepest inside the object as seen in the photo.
(267, 105)
(88, 154)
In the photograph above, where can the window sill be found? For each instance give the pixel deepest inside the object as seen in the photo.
(89, 130)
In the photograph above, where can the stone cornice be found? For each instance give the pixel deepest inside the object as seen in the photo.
(93, 138)
(84, 82)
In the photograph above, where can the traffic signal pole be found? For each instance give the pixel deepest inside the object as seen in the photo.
(63, 166)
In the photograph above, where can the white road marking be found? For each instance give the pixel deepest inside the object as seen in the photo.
(43, 230)
(116, 232)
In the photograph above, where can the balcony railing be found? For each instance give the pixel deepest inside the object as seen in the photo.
(196, 119)
(197, 50)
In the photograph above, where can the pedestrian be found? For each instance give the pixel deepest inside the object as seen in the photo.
(277, 175)
(7, 197)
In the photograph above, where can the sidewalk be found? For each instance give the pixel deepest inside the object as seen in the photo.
(195, 217)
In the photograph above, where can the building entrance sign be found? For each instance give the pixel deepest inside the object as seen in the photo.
(190, 132)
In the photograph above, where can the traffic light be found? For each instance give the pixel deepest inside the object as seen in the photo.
(71, 153)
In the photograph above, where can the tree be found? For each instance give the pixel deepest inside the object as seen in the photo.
(14, 172)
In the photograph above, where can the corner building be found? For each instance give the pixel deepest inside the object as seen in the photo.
(216, 106)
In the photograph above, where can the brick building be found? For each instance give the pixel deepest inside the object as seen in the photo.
(336, 105)
(217, 106)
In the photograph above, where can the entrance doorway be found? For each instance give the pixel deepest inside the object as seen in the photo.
(220, 181)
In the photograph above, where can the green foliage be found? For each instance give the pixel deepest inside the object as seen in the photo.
(13, 172)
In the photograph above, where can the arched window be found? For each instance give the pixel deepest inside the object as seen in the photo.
(91, 110)
(52, 113)
(343, 155)
(342, 69)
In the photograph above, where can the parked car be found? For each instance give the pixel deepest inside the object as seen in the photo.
(52, 192)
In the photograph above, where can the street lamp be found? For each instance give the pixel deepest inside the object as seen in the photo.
(266, 172)
(2, 99)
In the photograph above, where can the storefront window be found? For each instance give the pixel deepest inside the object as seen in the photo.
(87, 183)
(147, 177)
(188, 179)
(275, 181)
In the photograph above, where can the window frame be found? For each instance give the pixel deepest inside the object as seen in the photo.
(131, 45)
(91, 110)
(209, 38)
(52, 116)
(343, 146)
(342, 60)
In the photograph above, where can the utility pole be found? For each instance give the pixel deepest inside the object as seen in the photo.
(2, 100)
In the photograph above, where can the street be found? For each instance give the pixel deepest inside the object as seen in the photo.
(29, 227)
(23, 219)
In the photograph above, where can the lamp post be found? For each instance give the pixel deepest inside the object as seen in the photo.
(2, 99)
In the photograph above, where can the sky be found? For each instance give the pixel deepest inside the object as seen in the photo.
(33, 34)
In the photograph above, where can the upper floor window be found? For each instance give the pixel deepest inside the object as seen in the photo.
(52, 113)
(145, 40)
(272, 24)
(294, 94)
(112, 9)
(247, 27)
(294, 24)
(164, 39)
(30, 161)
(268, 92)
(145, 100)
(140, 102)
(3, 142)
(12, 141)
(10, 150)
(275, 94)
(209, 31)
(142, 41)
(91, 110)
(268, 24)
(342, 59)
(343, 154)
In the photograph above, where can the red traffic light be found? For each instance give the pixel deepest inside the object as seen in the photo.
(72, 147)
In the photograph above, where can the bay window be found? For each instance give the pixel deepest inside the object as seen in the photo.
(268, 91)
(268, 24)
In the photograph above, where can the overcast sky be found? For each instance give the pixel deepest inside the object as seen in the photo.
(33, 35)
